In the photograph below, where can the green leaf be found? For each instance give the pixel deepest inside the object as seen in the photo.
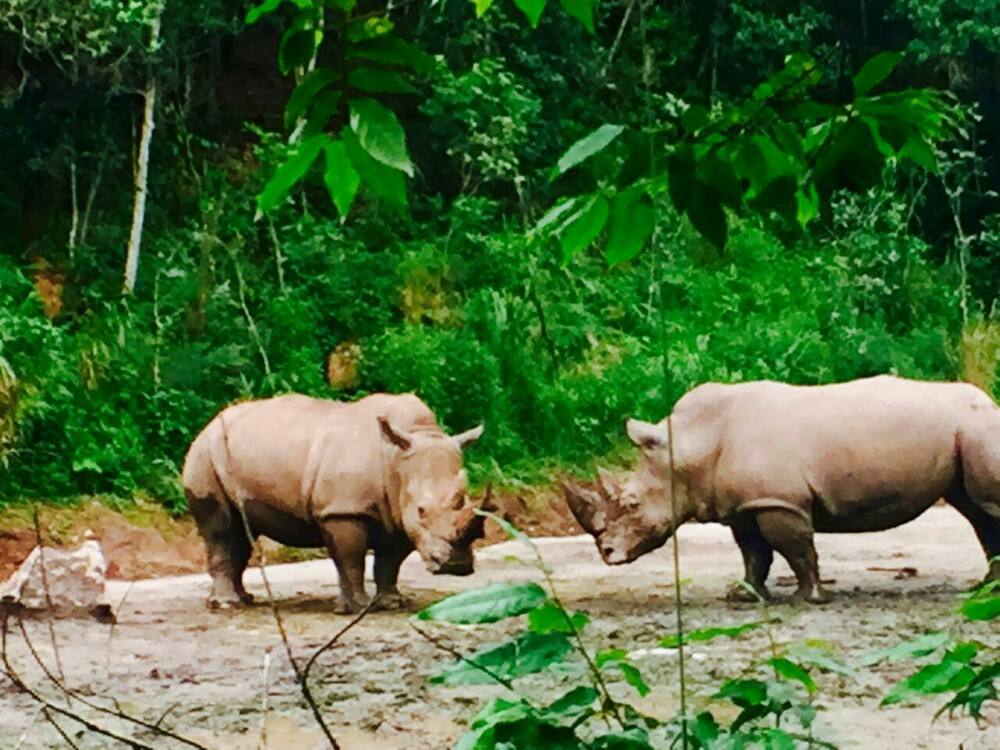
(509, 529)
(555, 213)
(707, 215)
(297, 47)
(917, 150)
(777, 739)
(306, 91)
(582, 10)
(977, 608)
(384, 182)
(694, 118)
(379, 80)
(942, 677)
(526, 654)
(583, 227)
(532, 9)
(586, 147)
(498, 601)
(821, 658)
(256, 12)
(572, 706)
(551, 618)
(380, 134)
(341, 179)
(874, 71)
(291, 171)
(744, 693)
(805, 713)
(920, 646)
(633, 677)
(792, 671)
(321, 110)
(390, 50)
(609, 655)
(630, 224)
(708, 634)
(482, 6)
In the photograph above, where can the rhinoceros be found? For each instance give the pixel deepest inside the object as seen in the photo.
(778, 462)
(376, 474)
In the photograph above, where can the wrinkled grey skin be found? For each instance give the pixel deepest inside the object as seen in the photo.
(375, 474)
(778, 462)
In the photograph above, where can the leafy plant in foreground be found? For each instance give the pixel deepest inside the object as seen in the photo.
(587, 716)
(960, 670)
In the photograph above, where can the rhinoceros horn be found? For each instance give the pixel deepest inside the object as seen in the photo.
(585, 505)
(607, 483)
(470, 525)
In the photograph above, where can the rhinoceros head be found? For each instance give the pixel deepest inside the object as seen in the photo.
(436, 511)
(632, 517)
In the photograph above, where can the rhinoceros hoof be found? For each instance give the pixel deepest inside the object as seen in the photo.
(350, 607)
(390, 602)
(217, 604)
(813, 595)
(737, 593)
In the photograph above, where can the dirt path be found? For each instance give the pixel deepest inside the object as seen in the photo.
(168, 652)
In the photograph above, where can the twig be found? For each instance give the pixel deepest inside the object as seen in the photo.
(303, 687)
(111, 630)
(60, 730)
(21, 685)
(45, 585)
(262, 745)
(116, 711)
(463, 658)
(336, 636)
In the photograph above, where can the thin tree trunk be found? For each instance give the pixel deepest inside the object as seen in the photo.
(74, 227)
(142, 170)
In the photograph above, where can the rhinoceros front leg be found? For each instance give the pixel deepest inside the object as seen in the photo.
(388, 561)
(757, 558)
(792, 536)
(347, 543)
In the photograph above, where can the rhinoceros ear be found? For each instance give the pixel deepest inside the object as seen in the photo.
(647, 435)
(398, 437)
(469, 436)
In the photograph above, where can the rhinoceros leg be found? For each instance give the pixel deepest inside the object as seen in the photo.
(388, 561)
(757, 558)
(227, 549)
(792, 536)
(987, 528)
(347, 542)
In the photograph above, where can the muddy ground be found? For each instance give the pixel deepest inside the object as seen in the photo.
(204, 672)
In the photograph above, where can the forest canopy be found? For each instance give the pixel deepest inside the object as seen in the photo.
(544, 216)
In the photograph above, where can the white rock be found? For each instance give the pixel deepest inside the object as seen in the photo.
(75, 581)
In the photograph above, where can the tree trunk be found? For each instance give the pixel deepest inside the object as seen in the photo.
(142, 170)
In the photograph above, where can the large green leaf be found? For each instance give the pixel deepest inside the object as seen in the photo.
(874, 71)
(532, 9)
(384, 182)
(291, 171)
(551, 618)
(306, 91)
(709, 634)
(341, 178)
(586, 147)
(705, 211)
(323, 107)
(946, 675)
(379, 81)
(380, 134)
(744, 693)
(262, 9)
(629, 226)
(482, 6)
(920, 646)
(582, 10)
(583, 227)
(571, 706)
(632, 738)
(390, 50)
(792, 671)
(526, 654)
(495, 602)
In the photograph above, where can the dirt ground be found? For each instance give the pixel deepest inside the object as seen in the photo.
(204, 673)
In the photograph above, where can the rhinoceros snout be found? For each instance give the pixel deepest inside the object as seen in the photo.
(454, 565)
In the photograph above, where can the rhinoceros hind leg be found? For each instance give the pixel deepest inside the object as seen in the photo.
(757, 558)
(347, 543)
(986, 526)
(792, 537)
(227, 549)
